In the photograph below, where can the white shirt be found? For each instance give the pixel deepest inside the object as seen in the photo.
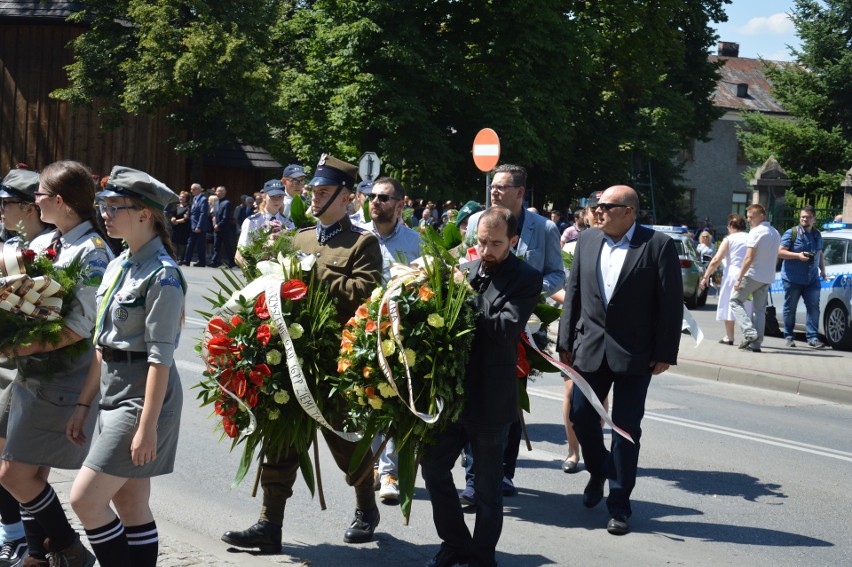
(253, 223)
(765, 240)
(611, 261)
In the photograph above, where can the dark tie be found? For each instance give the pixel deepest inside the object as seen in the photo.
(56, 246)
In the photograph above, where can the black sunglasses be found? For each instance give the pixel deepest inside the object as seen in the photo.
(611, 206)
(382, 198)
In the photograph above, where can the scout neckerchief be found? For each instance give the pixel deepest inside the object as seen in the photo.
(108, 297)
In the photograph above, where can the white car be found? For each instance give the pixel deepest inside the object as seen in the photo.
(835, 298)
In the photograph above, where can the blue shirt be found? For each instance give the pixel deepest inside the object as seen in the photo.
(796, 271)
(402, 241)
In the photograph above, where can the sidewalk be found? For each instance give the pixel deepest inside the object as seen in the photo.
(825, 374)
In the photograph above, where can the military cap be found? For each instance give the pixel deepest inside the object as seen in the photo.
(125, 181)
(366, 186)
(293, 171)
(332, 171)
(273, 187)
(469, 208)
(19, 184)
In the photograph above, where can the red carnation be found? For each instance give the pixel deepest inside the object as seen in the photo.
(235, 320)
(29, 256)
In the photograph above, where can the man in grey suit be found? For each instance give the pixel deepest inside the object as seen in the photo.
(538, 245)
(621, 325)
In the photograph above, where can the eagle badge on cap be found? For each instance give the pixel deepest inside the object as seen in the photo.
(323, 157)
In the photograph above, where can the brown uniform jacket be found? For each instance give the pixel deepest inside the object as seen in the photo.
(350, 264)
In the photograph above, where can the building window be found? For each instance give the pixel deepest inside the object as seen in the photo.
(688, 199)
(687, 153)
(739, 202)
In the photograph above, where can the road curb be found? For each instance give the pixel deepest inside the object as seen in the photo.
(828, 391)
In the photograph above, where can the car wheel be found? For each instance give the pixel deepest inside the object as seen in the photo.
(838, 334)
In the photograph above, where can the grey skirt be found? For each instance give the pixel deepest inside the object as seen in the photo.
(118, 421)
(38, 414)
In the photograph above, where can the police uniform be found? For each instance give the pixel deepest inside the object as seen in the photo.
(140, 326)
(349, 263)
(42, 402)
(253, 223)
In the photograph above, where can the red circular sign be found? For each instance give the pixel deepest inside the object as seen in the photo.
(486, 149)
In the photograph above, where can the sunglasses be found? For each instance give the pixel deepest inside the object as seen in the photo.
(382, 198)
(611, 206)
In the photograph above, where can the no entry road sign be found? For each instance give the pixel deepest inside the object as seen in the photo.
(486, 149)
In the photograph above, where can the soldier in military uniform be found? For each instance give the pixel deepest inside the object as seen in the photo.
(349, 263)
(140, 311)
(41, 404)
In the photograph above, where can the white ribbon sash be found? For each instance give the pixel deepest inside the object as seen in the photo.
(579, 382)
(691, 325)
(401, 276)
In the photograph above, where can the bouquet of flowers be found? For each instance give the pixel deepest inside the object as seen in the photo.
(266, 350)
(402, 360)
(34, 295)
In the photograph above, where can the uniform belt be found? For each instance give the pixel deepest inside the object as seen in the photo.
(115, 355)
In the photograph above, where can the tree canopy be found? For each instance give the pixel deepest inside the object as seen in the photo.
(815, 149)
(579, 92)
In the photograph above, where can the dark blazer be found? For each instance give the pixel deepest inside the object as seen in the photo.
(225, 215)
(642, 322)
(200, 213)
(491, 391)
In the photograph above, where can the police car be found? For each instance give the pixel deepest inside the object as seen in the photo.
(835, 298)
(691, 267)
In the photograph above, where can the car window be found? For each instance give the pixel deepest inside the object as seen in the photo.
(848, 253)
(835, 251)
(679, 246)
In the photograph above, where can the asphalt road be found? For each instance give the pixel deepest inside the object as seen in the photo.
(729, 475)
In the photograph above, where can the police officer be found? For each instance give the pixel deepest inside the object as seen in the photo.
(41, 407)
(349, 263)
(140, 309)
(271, 210)
(293, 179)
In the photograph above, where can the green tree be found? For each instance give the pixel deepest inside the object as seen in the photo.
(206, 63)
(815, 149)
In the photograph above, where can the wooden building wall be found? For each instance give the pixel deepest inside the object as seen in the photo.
(37, 130)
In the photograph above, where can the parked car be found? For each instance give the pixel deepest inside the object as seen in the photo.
(835, 298)
(691, 266)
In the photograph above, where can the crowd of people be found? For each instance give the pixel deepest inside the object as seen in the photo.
(621, 326)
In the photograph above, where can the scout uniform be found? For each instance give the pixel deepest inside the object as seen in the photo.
(43, 402)
(18, 184)
(140, 308)
(349, 262)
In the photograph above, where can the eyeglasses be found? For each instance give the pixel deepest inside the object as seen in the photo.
(300, 181)
(382, 198)
(110, 212)
(4, 202)
(502, 188)
(38, 194)
(611, 206)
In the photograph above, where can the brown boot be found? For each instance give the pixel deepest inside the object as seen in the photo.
(75, 555)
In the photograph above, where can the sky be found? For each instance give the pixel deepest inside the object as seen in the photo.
(761, 27)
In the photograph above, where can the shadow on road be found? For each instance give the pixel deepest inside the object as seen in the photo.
(717, 483)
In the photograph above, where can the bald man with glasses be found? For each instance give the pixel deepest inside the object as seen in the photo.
(620, 326)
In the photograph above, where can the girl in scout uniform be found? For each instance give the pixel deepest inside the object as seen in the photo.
(19, 213)
(140, 310)
(43, 401)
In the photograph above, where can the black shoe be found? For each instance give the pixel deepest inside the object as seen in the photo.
(447, 557)
(12, 552)
(593, 492)
(264, 535)
(508, 487)
(617, 524)
(363, 525)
